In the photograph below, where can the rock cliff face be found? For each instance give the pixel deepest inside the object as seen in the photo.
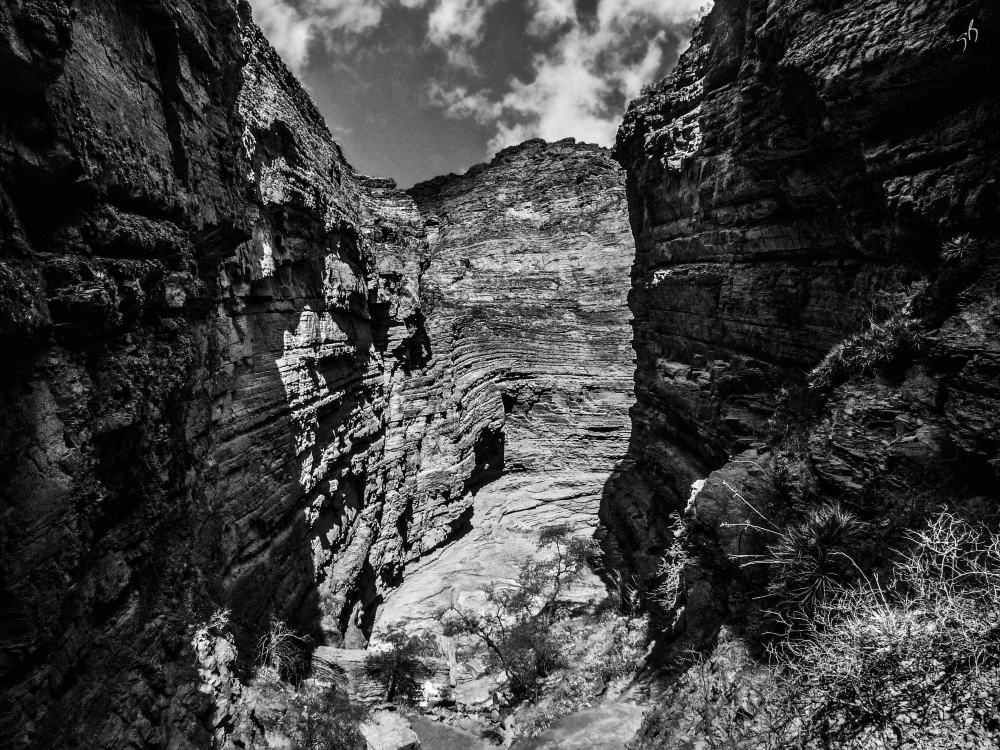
(238, 375)
(521, 411)
(203, 312)
(811, 170)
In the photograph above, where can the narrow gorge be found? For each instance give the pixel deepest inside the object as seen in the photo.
(242, 378)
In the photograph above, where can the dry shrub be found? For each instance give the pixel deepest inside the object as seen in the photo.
(737, 703)
(669, 592)
(323, 718)
(281, 653)
(925, 650)
(623, 646)
(217, 626)
(914, 664)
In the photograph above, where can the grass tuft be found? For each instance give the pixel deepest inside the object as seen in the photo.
(881, 344)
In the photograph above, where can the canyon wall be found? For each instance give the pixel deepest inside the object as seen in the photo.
(521, 412)
(239, 375)
(203, 312)
(811, 171)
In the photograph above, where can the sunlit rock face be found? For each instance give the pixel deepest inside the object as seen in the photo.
(521, 411)
(805, 164)
(324, 295)
(238, 375)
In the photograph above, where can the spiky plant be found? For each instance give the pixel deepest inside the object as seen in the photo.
(957, 247)
(812, 558)
(881, 344)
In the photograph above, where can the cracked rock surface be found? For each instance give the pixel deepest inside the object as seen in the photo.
(229, 379)
(528, 326)
(810, 173)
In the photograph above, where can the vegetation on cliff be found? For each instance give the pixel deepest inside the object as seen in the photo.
(909, 661)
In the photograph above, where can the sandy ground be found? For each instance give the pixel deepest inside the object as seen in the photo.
(606, 727)
(437, 736)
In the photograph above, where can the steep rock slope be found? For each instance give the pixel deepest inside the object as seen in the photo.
(237, 375)
(203, 308)
(521, 411)
(811, 170)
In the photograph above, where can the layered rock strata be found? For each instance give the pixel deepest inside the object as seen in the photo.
(232, 380)
(521, 412)
(203, 310)
(810, 171)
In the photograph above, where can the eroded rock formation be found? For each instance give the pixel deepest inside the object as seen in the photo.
(522, 410)
(238, 376)
(204, 308)
(811, 170)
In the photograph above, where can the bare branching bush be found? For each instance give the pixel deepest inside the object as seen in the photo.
(880, 658)
(669, 592)
(217, 626)
(920, 652)
(915, 663)
(281, 653)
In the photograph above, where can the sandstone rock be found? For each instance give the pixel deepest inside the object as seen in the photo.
(229, 381)
(779, 185)
(803, 170)
(199, 295)
(520, 412)
(387, 730)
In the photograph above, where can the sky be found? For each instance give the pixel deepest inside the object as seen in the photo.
(416, 88)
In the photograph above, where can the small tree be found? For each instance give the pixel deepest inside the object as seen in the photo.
(515, 627)
(573, 555)
(325, 720)
(398, 666)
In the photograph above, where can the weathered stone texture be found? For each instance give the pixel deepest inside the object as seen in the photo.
(521, 411)
(230, 376)
(806, 162)
(201, 304)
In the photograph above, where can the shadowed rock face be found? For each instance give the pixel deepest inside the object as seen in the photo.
(521, 411)
(806, 162)
(230, 379)
(203, 310)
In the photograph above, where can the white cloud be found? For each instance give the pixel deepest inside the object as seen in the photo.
(456, 26)
(459, 103)
(353, 16)
(550, 15)
(577, 87)
(288, 30)
(580, 83)
(457, 20)
(292, 28)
